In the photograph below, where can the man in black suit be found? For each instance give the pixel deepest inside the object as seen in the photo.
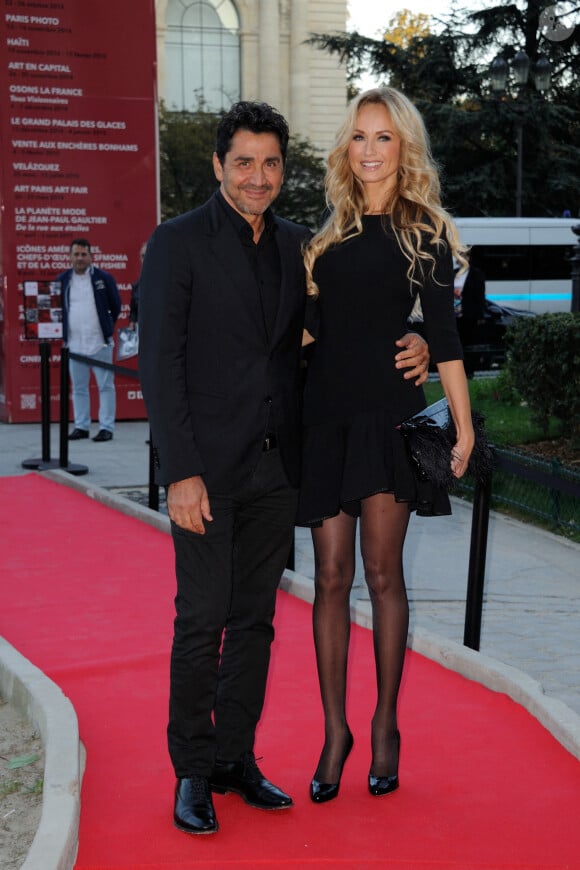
(222, 295)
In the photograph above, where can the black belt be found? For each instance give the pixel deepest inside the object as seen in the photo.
(270, 442)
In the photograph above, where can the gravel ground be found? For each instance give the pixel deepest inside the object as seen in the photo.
(20, 786)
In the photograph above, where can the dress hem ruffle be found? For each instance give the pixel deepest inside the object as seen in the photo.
(344, 463)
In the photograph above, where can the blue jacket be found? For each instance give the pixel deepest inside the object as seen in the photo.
(107, 300)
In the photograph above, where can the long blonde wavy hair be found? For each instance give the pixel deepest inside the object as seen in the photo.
(414, 206)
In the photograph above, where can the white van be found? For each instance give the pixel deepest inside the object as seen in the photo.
(525, 260)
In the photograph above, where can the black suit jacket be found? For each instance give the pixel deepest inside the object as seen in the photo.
(212, 382)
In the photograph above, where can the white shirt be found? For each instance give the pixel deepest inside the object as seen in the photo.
(84, 328)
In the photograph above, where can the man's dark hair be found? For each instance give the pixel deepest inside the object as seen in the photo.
(255, 117)
(82, 243)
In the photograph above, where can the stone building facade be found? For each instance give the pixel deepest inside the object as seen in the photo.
(213, 52)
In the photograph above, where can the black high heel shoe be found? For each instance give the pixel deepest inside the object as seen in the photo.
(381, 785)
(321, 792)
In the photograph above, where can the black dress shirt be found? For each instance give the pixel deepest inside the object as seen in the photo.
(264, 259)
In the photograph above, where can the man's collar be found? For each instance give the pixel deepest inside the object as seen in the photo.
(243, 226)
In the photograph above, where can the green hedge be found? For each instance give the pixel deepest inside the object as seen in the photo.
(543, 364)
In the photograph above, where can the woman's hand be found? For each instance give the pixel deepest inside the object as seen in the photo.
(454, 385)
(461, 453)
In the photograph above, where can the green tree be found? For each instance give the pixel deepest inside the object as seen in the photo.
(473, 131)
(302, 196)
(186, 144)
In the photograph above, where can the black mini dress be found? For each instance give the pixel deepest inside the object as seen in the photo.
(354, 396)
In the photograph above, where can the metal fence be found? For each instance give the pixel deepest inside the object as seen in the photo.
(546, 490)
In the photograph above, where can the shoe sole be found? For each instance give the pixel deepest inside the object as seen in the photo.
(220, 790)
(323, 800)
(385, 792)
(196, 833)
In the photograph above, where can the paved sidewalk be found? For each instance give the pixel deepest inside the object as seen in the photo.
(531, 608)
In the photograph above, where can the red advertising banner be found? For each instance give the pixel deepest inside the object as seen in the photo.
(78, 144)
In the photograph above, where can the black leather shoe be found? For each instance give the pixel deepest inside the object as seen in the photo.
(103, 435)
(321, 792)
(245, 778)
(193, 811)
(77, 434)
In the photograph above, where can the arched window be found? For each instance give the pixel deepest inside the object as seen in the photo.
(202, 54)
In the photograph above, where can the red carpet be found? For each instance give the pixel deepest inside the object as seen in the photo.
(87, 596)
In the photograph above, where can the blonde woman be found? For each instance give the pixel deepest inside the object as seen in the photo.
(387, 241)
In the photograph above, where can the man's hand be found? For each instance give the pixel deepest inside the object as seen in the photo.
(188, 504)
(414, 357)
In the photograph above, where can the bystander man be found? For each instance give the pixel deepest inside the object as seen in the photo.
(91, 305)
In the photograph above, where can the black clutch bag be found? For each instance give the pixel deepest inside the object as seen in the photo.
(430, 437)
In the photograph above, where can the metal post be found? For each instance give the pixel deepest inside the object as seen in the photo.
(63, 462)
(476, 573)
(556, 467)
(575, 272)
(44, 461)
(45, 398)
(520, 164)
(64, 386)
(290, 564)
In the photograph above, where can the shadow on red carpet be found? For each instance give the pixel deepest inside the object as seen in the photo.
(87, 597)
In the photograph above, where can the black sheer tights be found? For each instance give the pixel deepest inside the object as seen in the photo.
(383, 526)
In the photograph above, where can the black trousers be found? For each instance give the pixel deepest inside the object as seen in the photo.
(226, 594)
